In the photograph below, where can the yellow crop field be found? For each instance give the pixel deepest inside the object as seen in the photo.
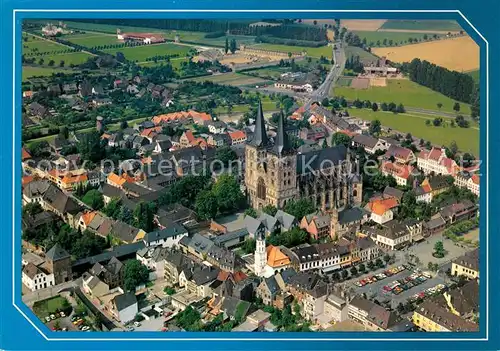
(368, 25)
(459, 54)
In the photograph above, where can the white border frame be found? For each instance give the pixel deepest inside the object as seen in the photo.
(14, 160)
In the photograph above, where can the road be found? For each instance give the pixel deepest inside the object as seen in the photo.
(42, 294)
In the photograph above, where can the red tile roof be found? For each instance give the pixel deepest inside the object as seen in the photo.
(397, 170)
(25, 155)
(381, 206)
(237, 135)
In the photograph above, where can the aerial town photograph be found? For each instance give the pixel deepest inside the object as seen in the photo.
(253, 175)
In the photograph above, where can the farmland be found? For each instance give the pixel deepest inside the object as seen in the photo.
(141, 53)
(466, 138)
(364, 25)
(30, 71)
(460, 54)
(422, 25)
(233, 79)
(398, 38)
(92, 39)
(35, 44)
(402, 91)
(351, 51)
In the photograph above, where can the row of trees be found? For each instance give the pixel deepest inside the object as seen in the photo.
(354, 63)
(455, 85)
(288, 41)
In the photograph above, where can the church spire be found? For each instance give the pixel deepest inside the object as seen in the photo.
(281, 144)
(260, 134)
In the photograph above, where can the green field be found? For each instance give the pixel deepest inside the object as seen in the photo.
(475, 75)
(108, 28)
(344, 82)
(398, 38)
(29, 71)
(403, 91)
(351, 51)
(428, 25)
(45, 307)
(467, 139)
(234, 79)
(92, 39)
(141, 53)
(313, 52)
(267, 105)
(40, 45)
(175, 62)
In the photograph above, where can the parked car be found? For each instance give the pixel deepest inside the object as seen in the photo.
(386, 288)
(52, 316)
(397, 290)
(130, 328)
(47, 319)
(427, 275)
(85, 328)
(74, 318)
(137, 324)
(62, 314)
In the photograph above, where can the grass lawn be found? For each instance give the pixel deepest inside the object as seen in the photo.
(440, 25)
(45, 307)
(92, 39)
(41, 45)
(234, 79)
(267, 105)
(141, 53)
(75, 58)
(467, 139)
(175, 62)
(313, 52)
(29, 71)
(396, 37)
(344, 81)
(475, 75)
(108, 28)
(403, 91)
(351, 51)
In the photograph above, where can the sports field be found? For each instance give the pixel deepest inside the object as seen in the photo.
(427, 25)
(398, 38)
(459, 54)
(403, 91)
(467, 139)
(313, 52)
(141, 53)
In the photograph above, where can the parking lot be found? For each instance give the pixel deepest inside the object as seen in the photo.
(375, 289)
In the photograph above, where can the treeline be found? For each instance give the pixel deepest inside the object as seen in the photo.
(292, 42)
(354, 63)
(215, 35)
(290, 31)
(453, 84)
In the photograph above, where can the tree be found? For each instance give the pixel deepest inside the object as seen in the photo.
(300, 208)
(325, 102)
(340, 139)
(94, 199)
(52, 63)
(226, 46)
(123, 125)
(345, 274)
(135, 274)
(225, 154)
(270, 210)
(379, 263)
(374, 107)
(354, 271)
(61, 63)
(384, 107)
(206, 205)
(251, 212)
(439, 251)
(387, 258)
(228, 193)
(400, 109)
(249, 246)
(371, 265)
(232, 46)
(90, 147)
(362, 268)
(456, 107)
(375, 127)
(41, 61)
(144, 216)
(439, 105)
(427, 122)
(169, 290)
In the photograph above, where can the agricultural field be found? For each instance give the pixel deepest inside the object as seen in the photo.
(325, 51)
(108, 28)
(267, 105)
(220, 42)
(234, 79)
(351, 51)
(398, 38)
(403, 91)
(30, 71)
(459, 54)
(422, 25)
(35, 44)
(467, 139)
(344, 82)
(364, 25)
(92, 39)
(141, 53)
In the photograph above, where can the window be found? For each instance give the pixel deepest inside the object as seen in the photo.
(261, 189)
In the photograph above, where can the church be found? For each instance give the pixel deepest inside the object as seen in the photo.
(275, 173)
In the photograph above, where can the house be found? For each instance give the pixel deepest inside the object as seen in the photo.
(61, 204)
(37, 277)
(393, 192)
(110, 192)
(115, 180)
(124, 307)
(125, 233)
(58, 262)
(111, 273)
(434, 225)
(401, 172)
(468, 181)
(276, 259)
(394, 235)
(176, 262)
(162, 146)
(335, 309)
(167, 237)
(154, 258)
(435, 161)
(286, 221)
(223, 258)
(313, 301)
(201, 281)
(70, 88)
(317, 225)
(433, 317)
(237, 137)
(267, 290)
(236, 285)
(463, 301)
(230, 240)
(400, 154)
(84, 219)
(466, 265)
(38, 110)
(463, 210)
(34, 191)
(197, 245)
(218, 140)
(304, 258)
(382, 210)
(431, 187)
(347, 220)
(94, 286)
(367, 142)
(371, 315)
(54, 89)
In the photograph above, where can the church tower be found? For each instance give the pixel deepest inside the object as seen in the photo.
(260, 256)
(270, 170)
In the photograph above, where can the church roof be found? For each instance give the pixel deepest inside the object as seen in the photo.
(260, 134)
(281, 143)
(321, 159)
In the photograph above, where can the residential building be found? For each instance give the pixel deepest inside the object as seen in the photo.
(371, 315)
(238, 137)
(466, 265)
(317, 225)
(223, 258)
(36, 277)
(347, 220)
(468, 181)
(403, 173)
(168, 237)
(216, 127)
(112, 273)
(94, 286)
(197, 245)
(432, 317)
(431, 187)
(367, 142)
(460, 211)
(400, 155)
(58, 262)
(124, 307)
(435, 161)
(267, 290)
(382, 210)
